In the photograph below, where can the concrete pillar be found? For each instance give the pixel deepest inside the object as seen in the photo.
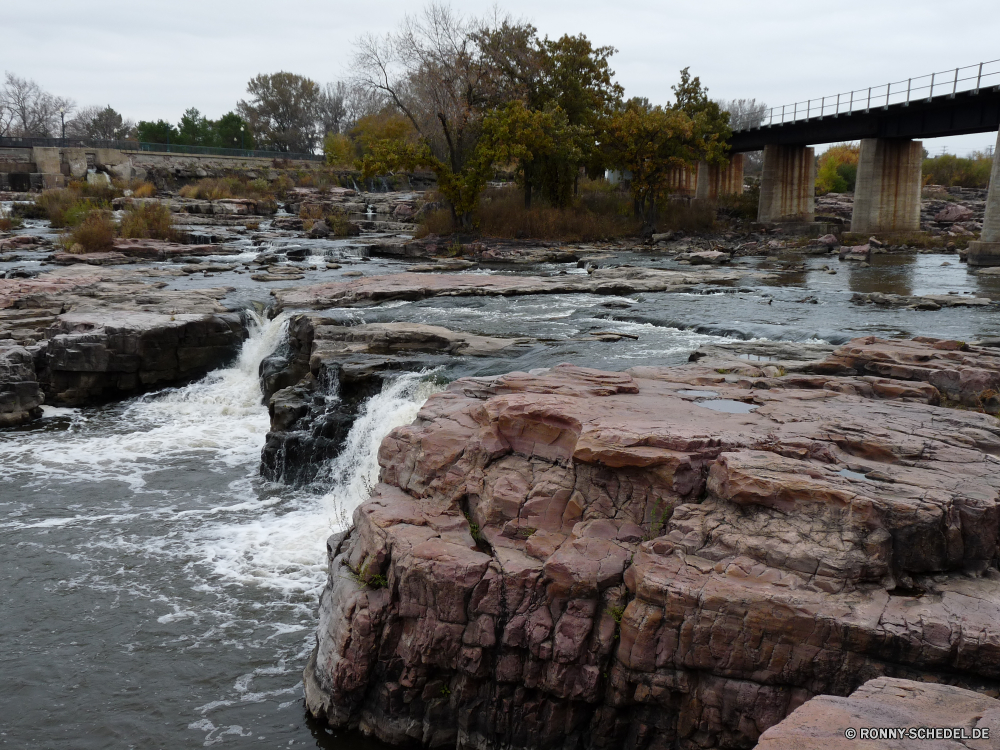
(788, 184)
(986, 252)
(887, 195)
(715, 180)
(682, 181)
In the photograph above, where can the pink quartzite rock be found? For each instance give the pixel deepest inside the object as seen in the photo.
(667, 557)
(886, 704)
(952, 214)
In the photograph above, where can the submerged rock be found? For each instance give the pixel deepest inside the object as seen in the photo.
(586, 559)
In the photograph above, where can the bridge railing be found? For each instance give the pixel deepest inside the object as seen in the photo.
(943, 84)
(171, 148)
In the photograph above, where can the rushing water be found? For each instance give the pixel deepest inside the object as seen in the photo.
(156, 593)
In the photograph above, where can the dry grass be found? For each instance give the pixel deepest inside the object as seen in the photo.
(310, 213)
(601, 212)
(218, 188)
(696, 216)
(144, 190)
(147, 221)
(96, 233)
(596, 215)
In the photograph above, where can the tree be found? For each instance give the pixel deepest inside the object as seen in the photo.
(649, 141)
(231, 131)
(282, 111)
(710, 124)
(28, 111)
(100, 123)
(743, 114)
(195, 129)
(160, 131)
(332, 108)
(568, 75)
(433, 72)
(338, 149)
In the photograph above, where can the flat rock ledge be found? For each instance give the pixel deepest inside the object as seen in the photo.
(372, 290)
(669, 557)
(86, 335)
(886, 704)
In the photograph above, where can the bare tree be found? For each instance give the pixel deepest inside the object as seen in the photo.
(30, 111)
(101, 123)
(743, 114)
(332, 107)
(432, 71)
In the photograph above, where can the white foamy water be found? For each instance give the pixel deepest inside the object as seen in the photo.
(284, 548)
(220, 415)
(160, 553)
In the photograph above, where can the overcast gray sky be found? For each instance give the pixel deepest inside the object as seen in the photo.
(154, 60)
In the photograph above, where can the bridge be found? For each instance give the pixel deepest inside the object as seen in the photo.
(887, 119)
(38, 163)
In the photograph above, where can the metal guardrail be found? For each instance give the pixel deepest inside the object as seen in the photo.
(132, 146)
(944, 84)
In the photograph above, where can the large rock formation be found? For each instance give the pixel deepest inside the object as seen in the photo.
(98, 356)
(668, 557)
(316, 384)
(900, 713)
(98, 334)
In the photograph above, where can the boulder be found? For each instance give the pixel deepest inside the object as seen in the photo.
(861, 253)
(319, 230)
(325, 355)
(667, 557)
(20, 396)
(704, 257)
(953, 213)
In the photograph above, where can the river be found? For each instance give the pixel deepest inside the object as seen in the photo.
(157, 593)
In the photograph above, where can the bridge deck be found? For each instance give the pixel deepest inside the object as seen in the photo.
(961, 114)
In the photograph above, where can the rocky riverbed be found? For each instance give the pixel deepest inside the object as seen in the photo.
(586, 495)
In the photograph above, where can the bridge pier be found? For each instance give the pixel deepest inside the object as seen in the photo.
(887, 195)
(714, 180)
(788, 184)
(986, 252)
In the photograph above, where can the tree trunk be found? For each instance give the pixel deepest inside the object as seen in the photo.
(527, 193)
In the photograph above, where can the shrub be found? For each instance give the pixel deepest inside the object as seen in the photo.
(95, 233)
(341, 226)
(957, 171)
(148, 221)
(743, 206)
(57, 205)
(688, 217)
(339, 150)
(212, 189)
(144, 190)
(310, 213)
(9, 222)
(596, 215)
(837, 169)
